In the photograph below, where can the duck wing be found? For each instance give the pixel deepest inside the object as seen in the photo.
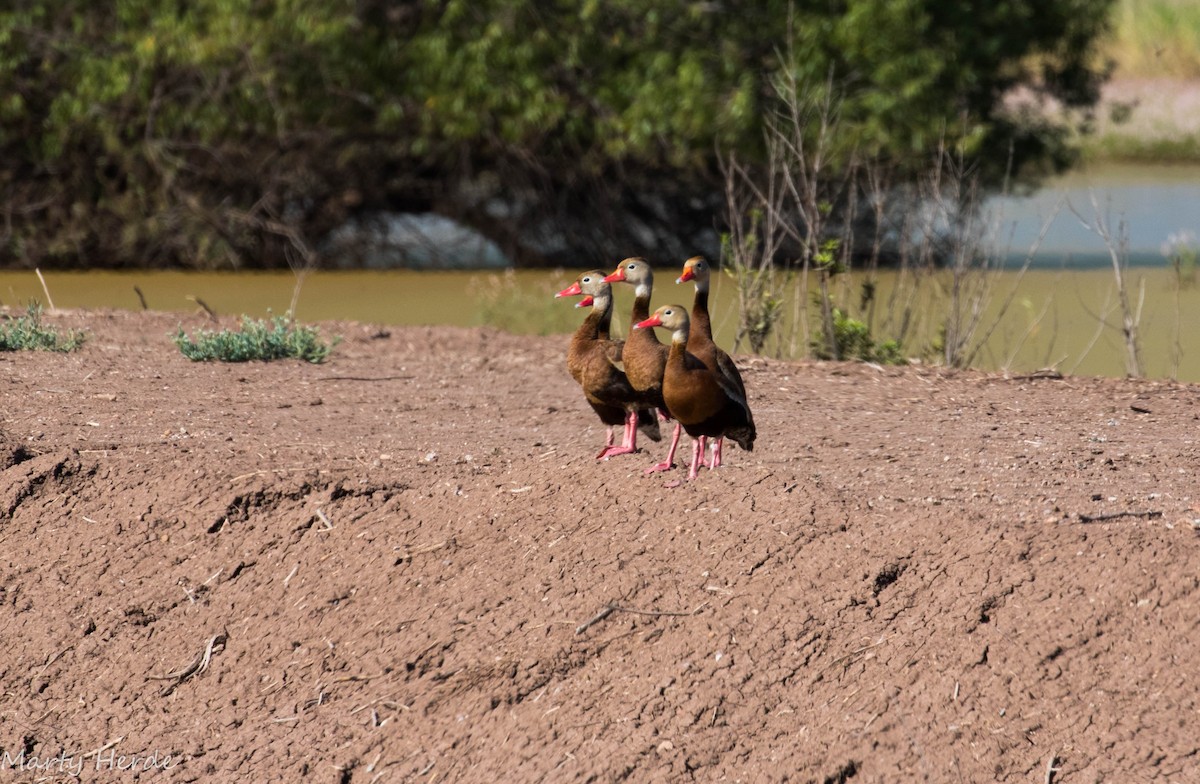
(731, 377)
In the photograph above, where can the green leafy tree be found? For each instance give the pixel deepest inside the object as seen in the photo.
(240, 132)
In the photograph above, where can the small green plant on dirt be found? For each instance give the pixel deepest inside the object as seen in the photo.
(828, 265)
(278, 338)
(747, 258)
(763, 314)
(853, 340)
(26, 333)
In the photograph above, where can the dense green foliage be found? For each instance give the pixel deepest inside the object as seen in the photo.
(256, 340)
(26, 333)
(219, 133)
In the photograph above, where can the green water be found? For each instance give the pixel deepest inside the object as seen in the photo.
(400, 297)
(1052, 321)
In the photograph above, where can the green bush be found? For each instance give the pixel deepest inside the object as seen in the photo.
(26, 333)
(854, 341)
(280, 338)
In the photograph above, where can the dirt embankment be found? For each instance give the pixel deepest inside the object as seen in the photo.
(406, 565)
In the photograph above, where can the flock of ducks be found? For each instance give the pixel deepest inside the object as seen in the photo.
(635, 381)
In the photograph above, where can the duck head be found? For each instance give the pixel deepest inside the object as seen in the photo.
(672, 317)
(696, 268)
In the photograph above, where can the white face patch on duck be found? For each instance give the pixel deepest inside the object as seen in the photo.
(637, 272)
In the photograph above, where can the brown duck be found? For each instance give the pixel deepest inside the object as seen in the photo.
(700, 337)
(703, 401)
(645, 358)
(594, 362)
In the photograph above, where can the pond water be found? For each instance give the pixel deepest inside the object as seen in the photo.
(1045, 318)
(1062, 313)
(1151, 202)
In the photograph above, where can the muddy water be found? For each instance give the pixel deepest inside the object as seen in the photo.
(1052, 318)
(388, 297)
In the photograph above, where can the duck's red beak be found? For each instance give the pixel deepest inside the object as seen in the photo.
(653, 321)
(686, 276)
(570, 291)
(617, 276)
(586, 302)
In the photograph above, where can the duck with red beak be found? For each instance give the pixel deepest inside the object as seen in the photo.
(700, 338)
(703, 401)
(594, 361)
(645, 357)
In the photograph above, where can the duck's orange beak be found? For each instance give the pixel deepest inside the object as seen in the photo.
(586, 302)
(570, 291)
(686, 276)
(617, 276)
(653, 321)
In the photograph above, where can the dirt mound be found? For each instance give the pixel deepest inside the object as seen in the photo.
(405, 564)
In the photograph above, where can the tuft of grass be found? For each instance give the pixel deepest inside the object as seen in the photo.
(279, 338)
(26, 333)
(1153, 38)
(502, 301)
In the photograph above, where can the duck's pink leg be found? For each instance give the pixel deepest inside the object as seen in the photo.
(669, 463)
(715, 460)
(608, 442)
(629, 444)
(699, 444)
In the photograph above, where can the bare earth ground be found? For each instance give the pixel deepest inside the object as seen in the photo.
(1162, 108)
(398, 566)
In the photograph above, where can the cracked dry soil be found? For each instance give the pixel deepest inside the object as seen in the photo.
(406, 565)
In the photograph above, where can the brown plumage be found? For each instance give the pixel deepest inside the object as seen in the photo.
(594, 361)
(700, 336)
(704, 401)
(645, 358)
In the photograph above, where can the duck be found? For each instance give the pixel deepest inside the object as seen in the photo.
(700, 338)
(594, 361)
(700, 399)
(645, 357)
